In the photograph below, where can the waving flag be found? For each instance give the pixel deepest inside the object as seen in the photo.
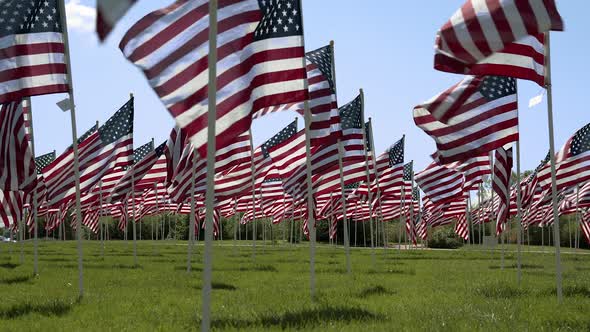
(501, 185)
(17, 164)
(261, 62)
(499, 37)
(439, 183)
(32, 61)
(11, 207)
(478, 115)
(104, 150)
(108, 13)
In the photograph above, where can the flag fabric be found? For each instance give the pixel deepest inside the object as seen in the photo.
(145, 157)
(108, 148)
(499, 37)
(108, 13)
(32, 48)
(501, 185)
(474, 169)
(175, 146)
(461, 227)
(261, 62)
(572, 163)
(17, 163)
(585, 225)
(439, 183)
(325, 122)
(478, 115)
(11, 207)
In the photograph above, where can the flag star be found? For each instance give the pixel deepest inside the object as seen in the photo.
(286, 28)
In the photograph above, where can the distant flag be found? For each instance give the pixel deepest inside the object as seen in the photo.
(501, 185)
(477, 115)
(501, 37)
(32, 49)
(325, 122)
(11, 207)
(260, 64)
(462, 228)
(439, 183)
(106, 149)
(17, 163)
(108, 13)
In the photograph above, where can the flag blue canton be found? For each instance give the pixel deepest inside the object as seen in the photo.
(350, 114)
(496, 87)
(42, 161)
(26, 16)
(279, 138)
(396, 153)
(322, 58)
(581, 141)
(119, 125)
(281, 18)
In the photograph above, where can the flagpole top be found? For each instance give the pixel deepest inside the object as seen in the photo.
(131, 95)
(332, 43)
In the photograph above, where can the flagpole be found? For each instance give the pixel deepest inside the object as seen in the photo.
(412, 225)
(253, 181)
(192, 215)
(362, 94)
(556, 235)
(374, 160)
(518, 213)
(211, 148)
(341, 165)
(74, 145)
(310, 205)
(35, 202)
(99, 219)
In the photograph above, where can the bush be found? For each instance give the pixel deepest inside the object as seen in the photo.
(444, 237)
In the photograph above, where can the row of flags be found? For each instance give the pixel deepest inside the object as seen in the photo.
(262, 68)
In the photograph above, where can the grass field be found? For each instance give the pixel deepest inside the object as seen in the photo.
(413, 290)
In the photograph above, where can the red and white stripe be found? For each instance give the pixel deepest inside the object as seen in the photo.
(17, 163)
(171, 47)
(465, 124)
(440, 183)
(498, 37)
(501, 185)
(11, 207)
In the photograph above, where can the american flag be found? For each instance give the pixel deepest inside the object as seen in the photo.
(572, 163)
(439, 183)
(11, 207)
(325, 123)
(33, 60)
(175, 146)
(499, 37)
(145, 157)
(261, 62)
(17, 163)
(106, 149)
(478, 115)
(108, 13)
(585, 225)
(501, 185)
(461, 227)
(474, 169)
(530, 184)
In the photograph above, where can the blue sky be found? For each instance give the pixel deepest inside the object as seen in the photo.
(384, 47)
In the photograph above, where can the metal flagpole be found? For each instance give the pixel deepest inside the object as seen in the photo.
(412, 224)
(556, 234)
(211, 147)
(134, 215)
(157, 211)
(35, 201)
(492, 211)
(341, 166)
(253, 170)
(518, 214)
(192, 216)
(310, 205)
(373, 259)
(62, 12)
(402, 218)
(99, 218)
(577, 245)
(374, 160)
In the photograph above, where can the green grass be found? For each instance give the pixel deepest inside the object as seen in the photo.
(460, 290)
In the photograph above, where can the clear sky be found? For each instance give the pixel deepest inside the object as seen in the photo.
(382, 46)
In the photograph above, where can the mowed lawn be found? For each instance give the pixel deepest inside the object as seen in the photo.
(424, 290)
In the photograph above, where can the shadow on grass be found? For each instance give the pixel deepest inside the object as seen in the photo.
(570, 291)
(499, 291)
(56, 259)
(51, 308)
(410, 272)
(8, 266)
(183, 268)
(301, 319)
(219, 286)
(514, 266)
(261, 268)
(16, 280)
(103, 267)
(375, 290)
